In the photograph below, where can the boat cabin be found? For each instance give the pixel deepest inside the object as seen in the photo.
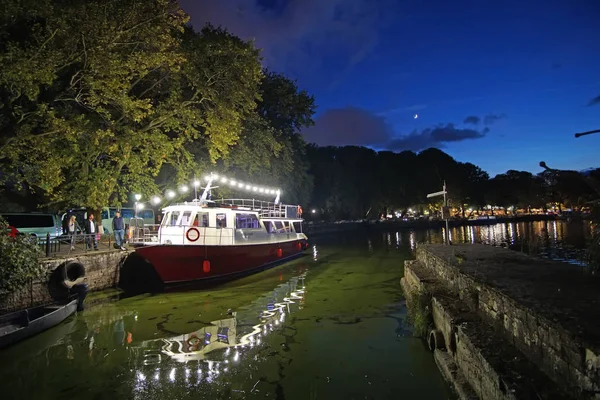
(229, 223)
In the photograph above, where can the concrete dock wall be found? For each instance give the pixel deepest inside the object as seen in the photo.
(503, 316)
(102, 270)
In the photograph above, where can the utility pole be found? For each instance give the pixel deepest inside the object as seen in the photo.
(444, 210)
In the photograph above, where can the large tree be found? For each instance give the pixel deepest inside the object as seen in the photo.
(99, 95)
(271, 148)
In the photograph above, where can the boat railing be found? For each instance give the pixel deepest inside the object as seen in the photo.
(265, 209)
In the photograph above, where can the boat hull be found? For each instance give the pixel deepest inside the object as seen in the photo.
(185, 263)
(14, 327)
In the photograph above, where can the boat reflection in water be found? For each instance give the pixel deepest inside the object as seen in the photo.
(201, 356)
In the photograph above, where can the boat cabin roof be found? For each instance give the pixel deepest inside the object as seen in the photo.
(266, 210)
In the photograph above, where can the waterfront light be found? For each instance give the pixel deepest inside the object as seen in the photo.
(196, 183)
(313, 211)
(170, 194)
(138, 197)
(140, 206)
(155, 200)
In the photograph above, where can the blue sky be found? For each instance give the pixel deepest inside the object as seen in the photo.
(531, 67)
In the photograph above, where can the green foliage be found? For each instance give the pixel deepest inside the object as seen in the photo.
(270, 148)
(99, 96)
(19, 262)
(418, 303)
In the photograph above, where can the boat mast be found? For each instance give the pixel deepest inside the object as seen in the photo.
(207, 188)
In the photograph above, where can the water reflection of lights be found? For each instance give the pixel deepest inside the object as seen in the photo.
(223, 335)
(412, 240)
(315, 253)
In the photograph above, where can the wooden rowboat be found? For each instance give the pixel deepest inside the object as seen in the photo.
(20, 325)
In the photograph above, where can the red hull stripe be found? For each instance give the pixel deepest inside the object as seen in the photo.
(182, 263)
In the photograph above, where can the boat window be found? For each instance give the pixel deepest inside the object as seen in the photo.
(186, 219)
(201, 219)
(173, 217)
(297, 226)
(246, 221)
(165, 218)
(286, 225)
(221, 221)
(278, 226)
(269, 226)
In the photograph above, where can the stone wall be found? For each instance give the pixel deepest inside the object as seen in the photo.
(558, 353)
(102, 270)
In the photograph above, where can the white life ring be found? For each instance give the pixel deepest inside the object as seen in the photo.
(195, 234)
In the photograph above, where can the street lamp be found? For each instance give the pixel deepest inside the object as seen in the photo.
(156, 200)
(137, 199)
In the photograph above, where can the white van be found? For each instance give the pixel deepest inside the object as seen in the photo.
(34, 223)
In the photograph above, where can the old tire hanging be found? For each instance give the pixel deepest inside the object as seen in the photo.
(73, 273)
(436, 340)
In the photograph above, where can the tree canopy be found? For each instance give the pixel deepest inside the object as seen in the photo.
(98, 96)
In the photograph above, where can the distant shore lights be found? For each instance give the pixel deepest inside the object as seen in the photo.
(241, 185)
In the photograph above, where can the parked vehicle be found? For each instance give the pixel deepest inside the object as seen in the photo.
(34, 224)
(108, 213)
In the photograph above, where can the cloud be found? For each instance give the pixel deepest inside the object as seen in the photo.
(434, 137)
(492, 118)
(296, 34)
(359, 127)
(472, 119)
(595, 101)
(349, 126)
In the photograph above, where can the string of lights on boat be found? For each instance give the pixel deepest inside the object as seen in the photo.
(210, 179)
(206, 371)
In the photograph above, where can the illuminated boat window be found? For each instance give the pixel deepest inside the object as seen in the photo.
(173, 217)
(297, 226)
(221, 221)
(246, 221)
(186, 219)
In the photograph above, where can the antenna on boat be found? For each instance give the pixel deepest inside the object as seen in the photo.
(278, 198)
(207, 188)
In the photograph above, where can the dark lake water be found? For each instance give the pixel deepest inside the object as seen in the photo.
(331, 325)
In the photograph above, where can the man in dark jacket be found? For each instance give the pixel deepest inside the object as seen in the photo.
(118, 226)
(91, 229)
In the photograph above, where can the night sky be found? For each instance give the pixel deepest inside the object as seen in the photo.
(502, 84)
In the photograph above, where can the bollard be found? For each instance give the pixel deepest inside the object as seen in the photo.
(47, 245)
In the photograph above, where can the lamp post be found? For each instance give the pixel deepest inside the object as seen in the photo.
(137, 199)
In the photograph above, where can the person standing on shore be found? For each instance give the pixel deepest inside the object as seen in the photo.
(90, 230)
(119, 229)
(72, 228)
